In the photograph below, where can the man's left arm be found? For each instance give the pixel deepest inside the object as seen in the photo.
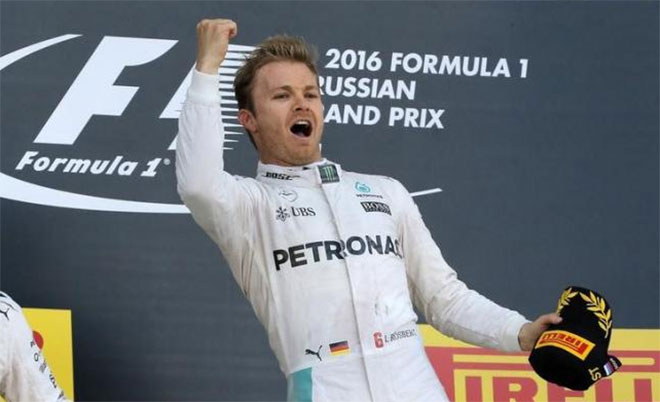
(448, 304)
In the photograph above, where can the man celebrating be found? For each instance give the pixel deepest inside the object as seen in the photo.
(330, 260)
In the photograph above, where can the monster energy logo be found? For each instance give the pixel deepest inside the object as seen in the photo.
(328, 174)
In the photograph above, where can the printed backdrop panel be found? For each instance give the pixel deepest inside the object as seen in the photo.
(476, 374)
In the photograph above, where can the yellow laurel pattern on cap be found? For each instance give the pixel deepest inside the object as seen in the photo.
(596, 305)
(565, 299)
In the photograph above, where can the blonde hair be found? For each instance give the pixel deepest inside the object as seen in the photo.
(275, 48)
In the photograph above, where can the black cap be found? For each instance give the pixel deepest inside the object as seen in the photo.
(573, 353)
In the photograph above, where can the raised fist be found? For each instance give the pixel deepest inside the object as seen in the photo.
(212, 42)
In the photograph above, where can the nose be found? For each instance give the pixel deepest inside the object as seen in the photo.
(301, 103)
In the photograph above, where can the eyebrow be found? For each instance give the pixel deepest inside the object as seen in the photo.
(290, 88)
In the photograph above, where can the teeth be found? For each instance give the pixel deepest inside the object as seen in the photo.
(302, 122)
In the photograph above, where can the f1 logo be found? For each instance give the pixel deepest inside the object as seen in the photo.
(93, 91)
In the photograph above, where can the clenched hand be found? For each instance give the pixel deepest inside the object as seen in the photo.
(212, 42)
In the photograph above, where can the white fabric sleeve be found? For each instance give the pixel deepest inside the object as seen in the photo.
(24, 373)
(219, 202)
(447, 303)
(205, 187)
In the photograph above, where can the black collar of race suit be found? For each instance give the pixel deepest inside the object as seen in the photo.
(314, 174)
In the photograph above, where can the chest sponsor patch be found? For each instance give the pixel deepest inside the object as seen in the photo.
(278, 176)
(381, 340)
(282, 213)
(328, 174)
(328, 250)
(375, 206)
(288, 194)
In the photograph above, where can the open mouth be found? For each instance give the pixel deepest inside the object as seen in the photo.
(301, 128)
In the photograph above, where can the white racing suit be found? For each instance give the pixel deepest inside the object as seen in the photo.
(24, 374)
(330, 261)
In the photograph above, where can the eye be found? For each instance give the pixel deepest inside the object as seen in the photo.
(311, 95)
(283, 95)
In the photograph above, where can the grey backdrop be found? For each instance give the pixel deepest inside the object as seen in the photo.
(548, 180)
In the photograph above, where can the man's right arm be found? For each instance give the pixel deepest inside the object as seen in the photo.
(213, 195)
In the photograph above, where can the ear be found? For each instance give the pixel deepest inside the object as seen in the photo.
(247, 120)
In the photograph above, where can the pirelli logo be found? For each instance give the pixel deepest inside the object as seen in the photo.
(572, 343)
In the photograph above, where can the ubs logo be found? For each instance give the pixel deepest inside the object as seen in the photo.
(282, 214)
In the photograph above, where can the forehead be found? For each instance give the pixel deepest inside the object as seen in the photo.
(284, 73)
